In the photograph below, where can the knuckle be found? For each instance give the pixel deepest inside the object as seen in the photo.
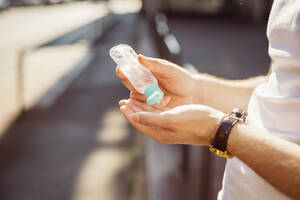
(166, 63)
(158, 61)
(162, 61)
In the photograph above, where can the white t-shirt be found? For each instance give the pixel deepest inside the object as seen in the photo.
(275, 105)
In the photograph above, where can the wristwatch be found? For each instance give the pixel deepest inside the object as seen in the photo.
(219, 137)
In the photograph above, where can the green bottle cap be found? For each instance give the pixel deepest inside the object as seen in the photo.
(154, 94)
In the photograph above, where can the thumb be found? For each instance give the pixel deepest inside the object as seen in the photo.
(149, 118)
(157, 66)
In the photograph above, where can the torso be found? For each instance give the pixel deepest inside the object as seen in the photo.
(274, 105)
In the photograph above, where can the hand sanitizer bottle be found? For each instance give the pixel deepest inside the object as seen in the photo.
(140, 77)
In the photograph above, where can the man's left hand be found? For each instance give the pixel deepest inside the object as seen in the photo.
(188, 124)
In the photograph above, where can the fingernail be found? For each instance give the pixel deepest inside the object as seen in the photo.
(125, 110)
(123, 102)
(122, 108)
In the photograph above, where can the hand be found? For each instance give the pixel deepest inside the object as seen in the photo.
(177, 84)
(188, 124)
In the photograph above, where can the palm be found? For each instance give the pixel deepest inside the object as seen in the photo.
(187, 124)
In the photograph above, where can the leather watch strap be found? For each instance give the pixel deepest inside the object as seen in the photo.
(221, 137)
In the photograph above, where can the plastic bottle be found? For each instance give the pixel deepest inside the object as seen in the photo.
(140, 77)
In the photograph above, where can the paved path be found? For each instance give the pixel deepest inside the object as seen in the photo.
(77, 148)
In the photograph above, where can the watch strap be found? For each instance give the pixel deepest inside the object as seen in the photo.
(219, 138)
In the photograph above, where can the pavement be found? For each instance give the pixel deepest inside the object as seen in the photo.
(80, 146)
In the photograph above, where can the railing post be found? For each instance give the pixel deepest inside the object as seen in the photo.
(20, 80)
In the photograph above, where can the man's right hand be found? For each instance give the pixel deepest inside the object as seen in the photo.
(177, 83)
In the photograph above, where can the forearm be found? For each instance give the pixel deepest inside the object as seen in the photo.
(224, 94)
(274, 159)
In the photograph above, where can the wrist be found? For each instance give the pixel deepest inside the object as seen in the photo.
(219, 141)
(200, 89)
(234, 137)
(216, 118)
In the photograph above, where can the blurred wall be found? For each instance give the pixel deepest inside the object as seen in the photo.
(195, 6)
(27, 72)
(9, 96)
(254, 10)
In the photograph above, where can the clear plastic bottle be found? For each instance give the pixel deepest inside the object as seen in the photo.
(140, 77)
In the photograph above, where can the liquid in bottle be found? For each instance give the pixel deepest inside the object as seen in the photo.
(140, 77)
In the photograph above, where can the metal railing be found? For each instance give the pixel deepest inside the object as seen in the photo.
(198, 166)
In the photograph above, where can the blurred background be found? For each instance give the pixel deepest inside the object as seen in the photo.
(61, 133)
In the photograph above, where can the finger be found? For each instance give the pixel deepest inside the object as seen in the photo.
(137, 106)
(163, 104)
(157, 66)
(119, 73)
(123, 102)
(150, 119)
(143, 106)
(159, 134)
(134, 107)
(137, 96)
(127, 112)
(166, 100)
(124, 79)
(128, 85)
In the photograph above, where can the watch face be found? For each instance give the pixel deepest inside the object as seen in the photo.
(237, 112)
